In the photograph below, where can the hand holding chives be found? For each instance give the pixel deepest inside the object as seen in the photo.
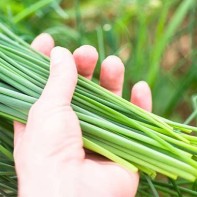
(50, 159)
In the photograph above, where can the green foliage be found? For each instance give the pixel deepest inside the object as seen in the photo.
(138, 31)
(141, 32)
(8, 181)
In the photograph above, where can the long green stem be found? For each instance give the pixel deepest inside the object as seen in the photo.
(111, 125)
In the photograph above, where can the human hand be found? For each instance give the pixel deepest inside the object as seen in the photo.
(49, 155)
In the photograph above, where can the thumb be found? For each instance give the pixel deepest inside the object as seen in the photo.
(52, 124)
(62, 80)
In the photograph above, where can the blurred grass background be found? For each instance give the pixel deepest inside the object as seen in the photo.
(156, 39)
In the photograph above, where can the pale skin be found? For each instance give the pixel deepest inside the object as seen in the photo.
(48, 151)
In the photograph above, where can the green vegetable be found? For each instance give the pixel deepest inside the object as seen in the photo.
(111, 126)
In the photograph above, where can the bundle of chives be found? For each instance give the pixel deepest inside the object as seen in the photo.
(111, 126)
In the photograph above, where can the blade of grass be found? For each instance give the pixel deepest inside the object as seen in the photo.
(176, 20)
(31, 9)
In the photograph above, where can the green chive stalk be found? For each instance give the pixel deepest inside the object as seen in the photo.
(112, 126)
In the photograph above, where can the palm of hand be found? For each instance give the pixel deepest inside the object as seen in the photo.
(62, 164)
